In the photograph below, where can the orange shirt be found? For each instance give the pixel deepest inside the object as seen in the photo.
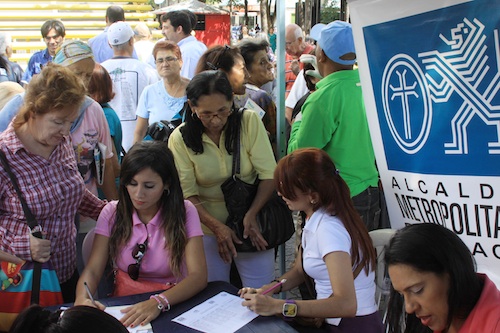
(289, 75)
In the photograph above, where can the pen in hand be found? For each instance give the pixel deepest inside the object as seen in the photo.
(89, 293)
(274, 287)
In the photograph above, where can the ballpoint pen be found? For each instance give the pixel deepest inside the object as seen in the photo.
(274, 287)
(89, 293)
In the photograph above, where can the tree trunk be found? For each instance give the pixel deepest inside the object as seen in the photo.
(300, 12)
(307, 16)
(271, 18)
(246, 14)
(264, 15)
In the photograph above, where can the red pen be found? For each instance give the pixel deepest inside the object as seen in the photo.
(274, 287)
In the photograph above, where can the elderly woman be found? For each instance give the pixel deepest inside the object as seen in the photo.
(260, 71)
(90, 127)
(39, 151)
(203, 148)
(230, 61)
(165, 99)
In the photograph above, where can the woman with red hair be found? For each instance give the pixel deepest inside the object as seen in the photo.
(337, 250)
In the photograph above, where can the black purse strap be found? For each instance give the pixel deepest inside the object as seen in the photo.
(34, 226)
(236, 144)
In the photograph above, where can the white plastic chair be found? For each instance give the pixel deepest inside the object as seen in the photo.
(87, 246)
(87, 243)
(380, 239)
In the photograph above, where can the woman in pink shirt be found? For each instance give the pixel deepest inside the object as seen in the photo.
(151, 234)
(435, 287)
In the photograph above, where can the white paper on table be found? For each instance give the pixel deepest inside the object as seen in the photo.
(221, 313)
(115, 312)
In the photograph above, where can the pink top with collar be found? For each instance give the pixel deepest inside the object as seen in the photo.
(155, 264)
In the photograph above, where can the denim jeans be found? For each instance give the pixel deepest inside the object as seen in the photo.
(367, 203)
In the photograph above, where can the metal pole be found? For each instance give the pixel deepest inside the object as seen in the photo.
(280, 102)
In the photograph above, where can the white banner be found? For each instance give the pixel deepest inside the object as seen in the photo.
(430, 71)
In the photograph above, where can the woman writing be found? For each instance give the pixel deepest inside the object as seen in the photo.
(435, 287)
(337, 250)
(165, 99)
(39, 151)
(150, 233)
(203, 148)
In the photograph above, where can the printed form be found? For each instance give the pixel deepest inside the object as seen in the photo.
(221, 313)
(115, 312)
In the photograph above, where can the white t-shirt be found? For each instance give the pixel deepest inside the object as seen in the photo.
(299, 89)
(130, 77)
(322, 235)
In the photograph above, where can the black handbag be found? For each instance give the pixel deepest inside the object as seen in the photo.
(275, 219)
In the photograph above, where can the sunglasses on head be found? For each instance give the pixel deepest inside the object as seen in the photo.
(138, 254)
(219, 58)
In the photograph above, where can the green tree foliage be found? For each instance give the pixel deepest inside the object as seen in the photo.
(330, 11)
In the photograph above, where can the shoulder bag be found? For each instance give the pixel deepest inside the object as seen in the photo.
(275, 219)
(27, 283)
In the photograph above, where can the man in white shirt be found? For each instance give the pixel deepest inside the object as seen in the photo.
(99, 44)
(177, 26)
(130, 76)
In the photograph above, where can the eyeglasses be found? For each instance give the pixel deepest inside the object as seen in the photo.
(209, 116)
(138, 254)
(219, 58)
(168, 60)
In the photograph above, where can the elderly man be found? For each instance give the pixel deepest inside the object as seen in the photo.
(9, 71)
(333, 118)
(130, 76)
(53, 32)
(99, 44)
(295, 46)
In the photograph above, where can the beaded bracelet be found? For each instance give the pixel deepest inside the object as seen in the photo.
(161, 307)
(281, 286)
(166, 303)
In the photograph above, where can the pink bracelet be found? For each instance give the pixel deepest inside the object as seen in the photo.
(161, 307)
(166, 303)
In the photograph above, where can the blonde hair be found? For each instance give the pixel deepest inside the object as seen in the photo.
(7, 90)
(55, 88)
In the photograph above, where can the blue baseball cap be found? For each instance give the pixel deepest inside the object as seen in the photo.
(336, 40)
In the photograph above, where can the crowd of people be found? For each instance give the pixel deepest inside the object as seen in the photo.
(73, 127)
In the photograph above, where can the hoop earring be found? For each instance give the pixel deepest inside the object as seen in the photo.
(168, 191)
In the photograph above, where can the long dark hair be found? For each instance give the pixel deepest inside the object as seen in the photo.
(207, 83)
(312, 170)
(432, 248)
(157, 156)
(77, 319)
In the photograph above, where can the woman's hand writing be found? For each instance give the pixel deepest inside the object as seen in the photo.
(140, 314)
(262, 304)
(40, 249)
(252, 230)
(226, 239)
(88, 302)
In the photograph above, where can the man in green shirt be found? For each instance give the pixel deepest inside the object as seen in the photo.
(333, 118)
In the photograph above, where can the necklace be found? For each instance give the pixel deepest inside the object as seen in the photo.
(176, 90)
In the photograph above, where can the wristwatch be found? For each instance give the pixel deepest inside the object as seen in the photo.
(289, 309)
